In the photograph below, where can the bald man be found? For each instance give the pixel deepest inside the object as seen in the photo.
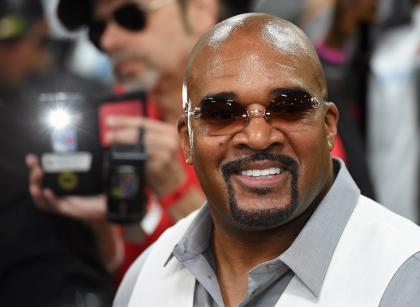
(284, 224)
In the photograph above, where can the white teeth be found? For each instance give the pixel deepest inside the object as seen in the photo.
(263, 172)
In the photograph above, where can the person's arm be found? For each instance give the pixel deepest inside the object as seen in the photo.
(191, 201)
(90, 210)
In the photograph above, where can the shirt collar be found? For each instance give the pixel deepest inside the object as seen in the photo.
(196, 239)
(310, 254)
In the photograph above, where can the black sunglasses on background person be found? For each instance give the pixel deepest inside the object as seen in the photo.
(131, 16)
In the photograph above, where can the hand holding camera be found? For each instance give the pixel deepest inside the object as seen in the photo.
(126, 169)
(163, 169)
(108, 180)
(86, 208)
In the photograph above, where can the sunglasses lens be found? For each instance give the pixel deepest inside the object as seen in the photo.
(290, 103)
(131, 17)
(220, 112)
(96, 29)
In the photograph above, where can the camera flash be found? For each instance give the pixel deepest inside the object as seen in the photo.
(59, 119)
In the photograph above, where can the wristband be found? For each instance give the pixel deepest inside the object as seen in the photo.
(172, 198)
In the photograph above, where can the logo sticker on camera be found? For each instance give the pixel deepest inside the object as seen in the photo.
(67, 181)
(66, 162)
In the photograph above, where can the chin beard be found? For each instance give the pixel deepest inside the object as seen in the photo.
(262, 218)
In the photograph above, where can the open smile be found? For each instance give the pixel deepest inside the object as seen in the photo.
(261, 171)
(261, 177)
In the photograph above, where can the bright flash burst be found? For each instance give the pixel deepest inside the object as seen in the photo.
(59, 119)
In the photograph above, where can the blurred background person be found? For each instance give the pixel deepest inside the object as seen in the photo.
(312, 16)
(148, 43)
(46, 260)
(345, 53)
(330, 24)
(393, 110)
(369, 49)
(370, 54)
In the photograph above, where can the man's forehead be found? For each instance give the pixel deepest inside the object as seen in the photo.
(243, 57)
(250, 76)
(247, 48)
(280, 34)
(103, 8)
(265, 47)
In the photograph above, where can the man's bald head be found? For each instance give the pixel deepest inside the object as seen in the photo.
(255, 30)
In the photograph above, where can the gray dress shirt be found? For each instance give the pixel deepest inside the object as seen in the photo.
(308, 257)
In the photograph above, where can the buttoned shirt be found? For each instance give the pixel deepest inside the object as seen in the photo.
(308, 257)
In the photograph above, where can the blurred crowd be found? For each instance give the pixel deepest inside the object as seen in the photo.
(62, 251)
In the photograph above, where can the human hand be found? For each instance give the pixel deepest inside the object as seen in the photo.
(163, 168)
(91, 210)
(87, 209)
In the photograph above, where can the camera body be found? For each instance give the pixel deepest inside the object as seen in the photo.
(72, 158)
(125, 183)
(124, 165)
(78, 159)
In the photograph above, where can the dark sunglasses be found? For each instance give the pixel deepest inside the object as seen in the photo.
(131, 17)
(222, 114)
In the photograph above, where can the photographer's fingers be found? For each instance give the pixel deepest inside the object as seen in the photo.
(31, 160)
(50, 201)
(91, 208)
(35, 180)
(88, 209)
(123, 136)
(115, 122)
(119, 122)
(156, 133)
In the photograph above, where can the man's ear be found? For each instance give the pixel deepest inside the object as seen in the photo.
(331, 120)
(182, 127)
(202, 15)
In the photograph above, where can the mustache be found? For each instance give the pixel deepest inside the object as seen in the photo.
(133, 55)
(234, 166)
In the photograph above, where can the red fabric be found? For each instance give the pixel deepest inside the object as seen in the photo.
(152, 111)
(338, 150)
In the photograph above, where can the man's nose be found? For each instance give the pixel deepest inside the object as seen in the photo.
(112, 38)
(257, 134)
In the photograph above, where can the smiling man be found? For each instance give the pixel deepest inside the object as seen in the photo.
(284, 223)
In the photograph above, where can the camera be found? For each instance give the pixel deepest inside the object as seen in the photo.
(125, 186)
(78, 160)
(71, 157)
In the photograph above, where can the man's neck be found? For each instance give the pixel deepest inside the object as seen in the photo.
(254, 247)
(238, 252)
